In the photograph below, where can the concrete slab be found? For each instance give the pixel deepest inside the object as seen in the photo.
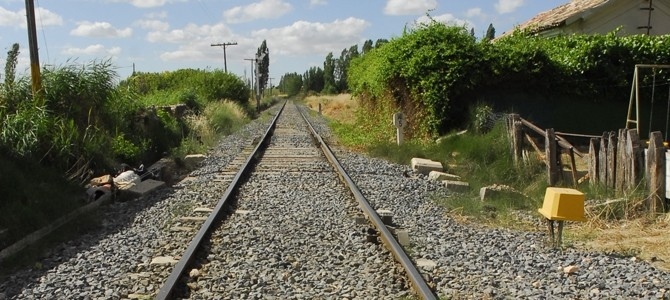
(456, 186)
(497, 191)
(437, 175)
(424, 166)
(140, 189)
(203, 210)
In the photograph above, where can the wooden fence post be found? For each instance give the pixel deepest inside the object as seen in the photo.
(593, 162)
(552, 157)
(611, 160)
(656, 173)
(602, 161)
(635, 159)
(621, 162)
(517, 137)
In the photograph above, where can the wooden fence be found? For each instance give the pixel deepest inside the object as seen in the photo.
(616, 160)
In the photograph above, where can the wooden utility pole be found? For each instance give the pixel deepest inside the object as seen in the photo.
(223, 45)
(34, 54)
(270, 85)
(252, 60)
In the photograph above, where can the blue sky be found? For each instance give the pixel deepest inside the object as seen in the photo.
(164, 35)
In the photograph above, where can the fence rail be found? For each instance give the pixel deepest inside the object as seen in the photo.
(616, 160)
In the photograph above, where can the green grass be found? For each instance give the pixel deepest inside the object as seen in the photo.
(479, 159)
(31, 200)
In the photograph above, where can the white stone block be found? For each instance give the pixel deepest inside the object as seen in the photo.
(424, 166)
(456, 186)
(437, 175)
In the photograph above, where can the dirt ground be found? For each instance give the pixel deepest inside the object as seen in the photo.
(646, 239)
(338, 107)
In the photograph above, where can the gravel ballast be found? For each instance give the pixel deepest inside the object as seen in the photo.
(471, 262)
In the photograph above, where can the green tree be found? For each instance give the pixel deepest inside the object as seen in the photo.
(263, 65)
(342, 67)
(367, 46)
(380, 42)
(329, 75)
(291, 84)
(490, 33)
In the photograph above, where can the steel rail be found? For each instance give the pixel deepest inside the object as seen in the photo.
(168, 287)
(420, 285)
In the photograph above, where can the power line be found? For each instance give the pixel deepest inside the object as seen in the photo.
(225, 65)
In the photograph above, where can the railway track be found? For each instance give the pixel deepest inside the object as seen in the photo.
(135, 246)
(286, 228)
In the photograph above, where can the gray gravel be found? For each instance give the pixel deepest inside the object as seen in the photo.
(473, 262)
(294, 235)
(113, 261)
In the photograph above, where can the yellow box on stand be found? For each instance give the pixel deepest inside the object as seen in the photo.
(563, 204)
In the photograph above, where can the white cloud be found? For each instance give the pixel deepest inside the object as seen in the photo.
(474, 12)
(405, 7)
(303, 37)
(43, 17)
(157, 15)
(317, 2)
(99, 29)
(148, 3)
(190, 33)
(508, 6)
(156, 25)
(448, 19)
(266, 9)
(10, 18)
(96, 49)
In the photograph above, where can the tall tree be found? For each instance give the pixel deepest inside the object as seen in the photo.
(490, 33)
(329, 75)
(380, 42)
(263, 65)
(367, 46)
(291, 83)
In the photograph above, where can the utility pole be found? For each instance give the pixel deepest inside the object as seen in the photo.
(252, 60)
(270, 85)
(259, 58)
(34, 54)
(225, 66)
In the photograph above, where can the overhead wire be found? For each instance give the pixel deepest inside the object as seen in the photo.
(44, 36)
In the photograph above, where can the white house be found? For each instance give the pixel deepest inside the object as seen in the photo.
(602, 16)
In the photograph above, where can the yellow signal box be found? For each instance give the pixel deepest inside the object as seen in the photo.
(563, 204)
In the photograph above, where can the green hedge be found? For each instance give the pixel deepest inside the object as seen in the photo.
(434, 72)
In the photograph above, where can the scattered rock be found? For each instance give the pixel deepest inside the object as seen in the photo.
(194, 273)
(163, 260)
(570, 269)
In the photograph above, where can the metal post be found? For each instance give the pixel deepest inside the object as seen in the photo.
(258, 88)
(34, 54)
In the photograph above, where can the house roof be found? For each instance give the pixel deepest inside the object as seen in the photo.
(561, 15)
